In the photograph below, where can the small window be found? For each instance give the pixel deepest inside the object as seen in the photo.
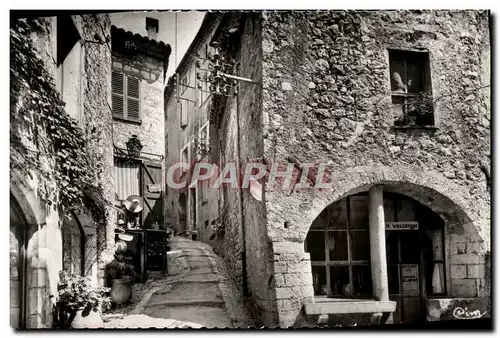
(411, 94)
(186, 80)
(126, 96)
(203, 143)
(340, 250)
(185, 158)
(152, 25)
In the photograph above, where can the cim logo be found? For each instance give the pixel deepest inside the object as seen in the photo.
(461, 313)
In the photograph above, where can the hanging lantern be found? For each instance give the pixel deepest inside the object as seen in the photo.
(134, 147)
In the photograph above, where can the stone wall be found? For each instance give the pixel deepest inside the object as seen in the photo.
(249, 119)
(151, 128)
(327, 99)
(98, 125)
(44, 240)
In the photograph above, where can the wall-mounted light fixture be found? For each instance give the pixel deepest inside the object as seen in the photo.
(134, 147)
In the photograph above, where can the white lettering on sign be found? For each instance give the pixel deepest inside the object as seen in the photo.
(460, 313)
(401, 225)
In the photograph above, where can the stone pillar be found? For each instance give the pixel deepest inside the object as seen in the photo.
(377, 244)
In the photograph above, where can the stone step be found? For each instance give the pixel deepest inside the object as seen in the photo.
(198, 277)
(197, 280)
(201, 270)
(207, 316)
(189, 303)
(187, 292)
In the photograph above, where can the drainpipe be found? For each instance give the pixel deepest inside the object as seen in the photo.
(242, 219)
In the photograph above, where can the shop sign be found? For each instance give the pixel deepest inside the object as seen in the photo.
(401, 225)
(409, 279)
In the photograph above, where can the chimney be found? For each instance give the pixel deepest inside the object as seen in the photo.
(152, 28)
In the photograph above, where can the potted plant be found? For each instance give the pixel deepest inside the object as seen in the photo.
(79, 303)
(121, 274)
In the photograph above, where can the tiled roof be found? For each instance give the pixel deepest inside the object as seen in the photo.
(143, 44)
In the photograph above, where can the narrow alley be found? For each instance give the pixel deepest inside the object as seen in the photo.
(199, 293)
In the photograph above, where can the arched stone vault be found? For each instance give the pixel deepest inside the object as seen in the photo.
(449, 200)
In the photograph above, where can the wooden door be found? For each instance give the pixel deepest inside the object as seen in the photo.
(152, 192)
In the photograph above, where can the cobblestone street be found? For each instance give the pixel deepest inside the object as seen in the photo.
(199, 292)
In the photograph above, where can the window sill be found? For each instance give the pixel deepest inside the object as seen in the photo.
(415, 127)
(344, 306)
(121, 119)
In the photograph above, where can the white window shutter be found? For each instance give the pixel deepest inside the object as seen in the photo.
(117, 87)
(133, 96)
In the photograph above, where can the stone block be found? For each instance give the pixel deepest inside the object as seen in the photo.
(475, 271)
(280, 267)
(293, 279)
(464, 288)
(304, 266)
(467, 258)
(279, 280)
(474, 247)
(458, 271)
(282, 293)
(461, 248)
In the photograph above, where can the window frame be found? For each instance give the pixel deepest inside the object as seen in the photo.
(125, 97)
(350, 262)
(181, 158)
(423, 58)
(205, 126)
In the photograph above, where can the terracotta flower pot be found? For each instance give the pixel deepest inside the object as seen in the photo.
(93, 320)
(121, 291)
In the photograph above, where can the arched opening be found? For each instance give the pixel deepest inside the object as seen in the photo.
(338, 242)
(73, 239)
(182, 213)
(18, 265)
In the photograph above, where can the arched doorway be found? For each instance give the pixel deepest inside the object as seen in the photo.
(73, 245)
(17, 243)
(339, 246)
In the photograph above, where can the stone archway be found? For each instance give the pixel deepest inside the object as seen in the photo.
(466, 220)
(451, 201)
(27, 219)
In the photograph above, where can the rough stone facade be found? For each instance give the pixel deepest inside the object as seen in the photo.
(97, 119)
(327, 99)
(43, 223)
(151, 128)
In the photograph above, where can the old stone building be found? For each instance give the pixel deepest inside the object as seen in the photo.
(395, 107)
(139, 66)
(72, 57)
(106, 86)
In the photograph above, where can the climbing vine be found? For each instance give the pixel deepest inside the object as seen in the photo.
(45, 139)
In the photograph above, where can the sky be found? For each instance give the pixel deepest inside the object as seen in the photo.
(188, 24)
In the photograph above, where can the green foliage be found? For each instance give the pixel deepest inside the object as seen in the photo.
(119, 269)
(45, 139)
(76, 293)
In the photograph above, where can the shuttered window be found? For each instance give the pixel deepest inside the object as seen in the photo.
(126, 96)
